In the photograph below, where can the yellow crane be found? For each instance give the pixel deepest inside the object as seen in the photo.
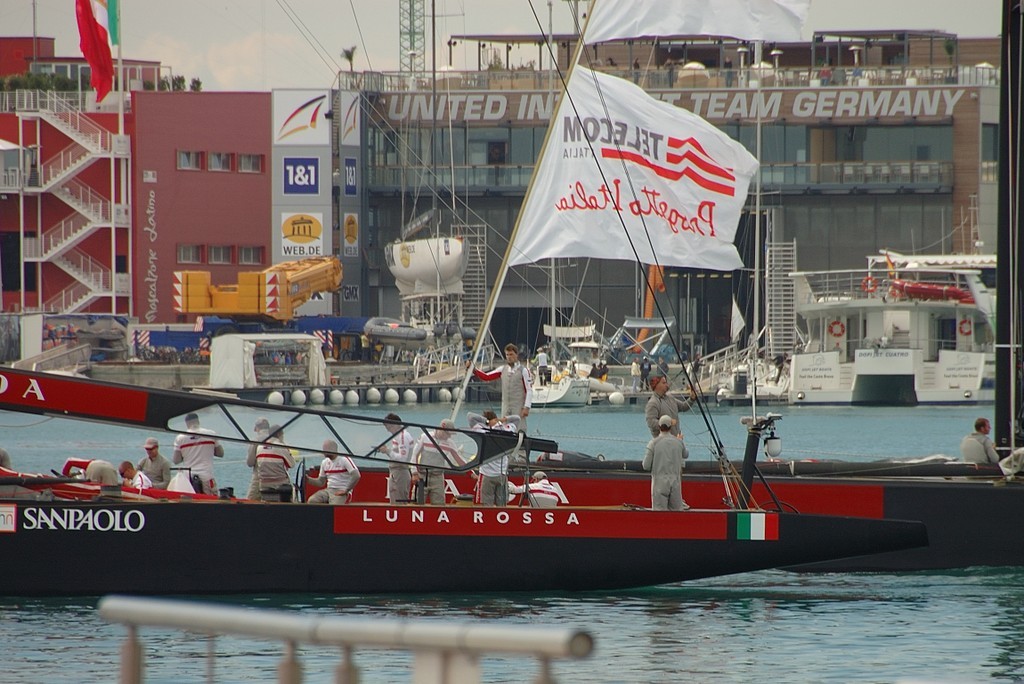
(273, 293)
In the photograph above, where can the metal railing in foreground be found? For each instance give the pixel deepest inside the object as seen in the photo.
(444, 651)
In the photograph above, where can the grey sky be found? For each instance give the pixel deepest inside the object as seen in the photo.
(260, 44)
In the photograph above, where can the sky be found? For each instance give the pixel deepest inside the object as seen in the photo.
(265, 44)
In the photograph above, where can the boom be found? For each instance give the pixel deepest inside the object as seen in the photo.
(273, 293)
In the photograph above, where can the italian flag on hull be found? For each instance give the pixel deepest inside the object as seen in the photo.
(97, 30)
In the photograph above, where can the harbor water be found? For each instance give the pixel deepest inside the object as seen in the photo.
(952, 626)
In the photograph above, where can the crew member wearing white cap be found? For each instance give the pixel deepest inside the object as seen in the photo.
(492, 487)
(543, 494)
(154, 465)
(273, 459)
(261, 430)
(196, 450)
(430, 453)
(664, 458)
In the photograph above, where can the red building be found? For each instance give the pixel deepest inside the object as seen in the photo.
(201, 190)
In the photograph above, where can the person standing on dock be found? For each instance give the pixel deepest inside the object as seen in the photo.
(663, 403)
(977, 447)
(339, 475)
(634, 374)
(664, 459)
(197, 449)
(645, 372)
(516, 385)
(399, 451)
(154, 465)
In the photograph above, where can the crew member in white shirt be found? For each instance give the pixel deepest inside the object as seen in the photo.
(542, 494)
(339, 473)
(196, 449)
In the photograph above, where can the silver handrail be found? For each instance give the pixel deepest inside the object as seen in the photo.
(444, 651)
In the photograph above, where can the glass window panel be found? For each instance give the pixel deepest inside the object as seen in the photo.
(219, 254)
(190, 254)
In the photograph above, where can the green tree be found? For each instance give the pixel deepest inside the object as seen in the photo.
(349, 56)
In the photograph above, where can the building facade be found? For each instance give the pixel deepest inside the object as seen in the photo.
(868, 142)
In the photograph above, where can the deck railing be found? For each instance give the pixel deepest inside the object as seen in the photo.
(443, 651)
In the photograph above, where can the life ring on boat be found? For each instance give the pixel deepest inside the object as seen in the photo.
(966, 327)
(837, 328)
(869, 284)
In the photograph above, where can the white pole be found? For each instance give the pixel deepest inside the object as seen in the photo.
(492, 301)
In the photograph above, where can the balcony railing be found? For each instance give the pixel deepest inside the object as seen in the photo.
(878, 176)
(443, 652)
(674, 76)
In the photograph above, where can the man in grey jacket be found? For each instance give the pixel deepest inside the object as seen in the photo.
(977, 447)
(662, 403)
(664, 459)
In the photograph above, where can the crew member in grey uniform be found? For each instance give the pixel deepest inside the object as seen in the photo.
(662, 403)
(664, 458)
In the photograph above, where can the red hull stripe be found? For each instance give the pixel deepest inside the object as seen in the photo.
(533, 522)
(57, 394)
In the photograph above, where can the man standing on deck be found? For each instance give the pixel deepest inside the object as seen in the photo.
(516, 385)
(664, 459)
(196, 449)
(261, 430)
(154, 465)
(662, 403)
(399, 451)
(492, 489)
(977, 447)
(432, 453)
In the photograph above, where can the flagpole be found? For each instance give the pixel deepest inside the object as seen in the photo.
(120, 72)
(492, 301)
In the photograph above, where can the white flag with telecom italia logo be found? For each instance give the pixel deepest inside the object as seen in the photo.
(677, 182)
(778, 21)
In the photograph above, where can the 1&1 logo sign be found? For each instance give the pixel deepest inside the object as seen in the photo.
(301, 176)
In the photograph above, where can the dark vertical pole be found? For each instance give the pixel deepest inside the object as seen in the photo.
(1007, 246)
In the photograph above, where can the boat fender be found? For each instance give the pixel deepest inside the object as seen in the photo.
(869, 284)
(837, 328)
(965, 327)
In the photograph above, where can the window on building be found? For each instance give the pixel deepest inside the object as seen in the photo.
(190, 254)
(250, 256)
(482, 141)
(989, 142)
(250, 163)
(220, 161)
(190, 161)
(218, 254)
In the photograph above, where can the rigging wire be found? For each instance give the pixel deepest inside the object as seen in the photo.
(308, 36)
(701, 404)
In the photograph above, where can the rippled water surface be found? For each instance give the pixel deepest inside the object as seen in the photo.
(765, 626)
